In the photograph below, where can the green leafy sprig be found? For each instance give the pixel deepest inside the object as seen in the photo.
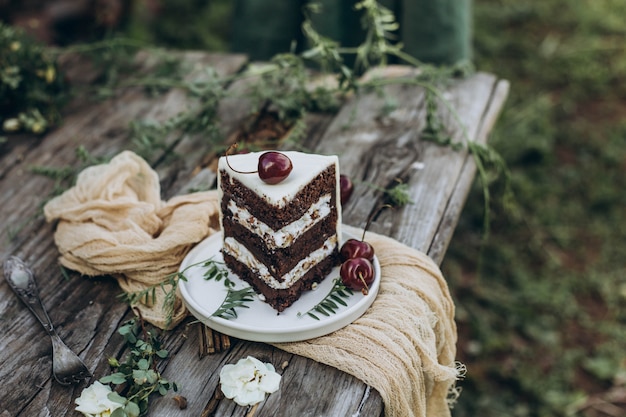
(138, 377)
(168, 286)
(397, 195)
(149, 295)
(217, 271)
(149, 135)
(114, 56)
(331, 302)
(435, 131)
(381, 25)
(490, 166)
(65, 177)
(234, 298)
(31, 90)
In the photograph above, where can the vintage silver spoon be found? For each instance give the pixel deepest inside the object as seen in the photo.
(67, 367)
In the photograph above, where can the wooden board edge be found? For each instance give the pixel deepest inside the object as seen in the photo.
(443, 236)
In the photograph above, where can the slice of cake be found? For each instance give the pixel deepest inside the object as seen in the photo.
(280, 238)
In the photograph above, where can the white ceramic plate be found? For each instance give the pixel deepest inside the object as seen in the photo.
(260, 322)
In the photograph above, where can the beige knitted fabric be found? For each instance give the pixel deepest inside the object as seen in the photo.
(405, 343)
(114, 222)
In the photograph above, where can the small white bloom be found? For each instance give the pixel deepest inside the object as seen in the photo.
(248, 381)
(11, 125)
(94, 401)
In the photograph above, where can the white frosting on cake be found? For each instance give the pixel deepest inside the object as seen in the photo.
(243, 255)
(287, 235)
(305, 168)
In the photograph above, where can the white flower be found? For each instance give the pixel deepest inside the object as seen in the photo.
(11, 125)
(94, 401)
(248, 381)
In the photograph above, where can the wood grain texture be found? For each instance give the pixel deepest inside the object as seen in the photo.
(378, 151)
(377, 138)
(452, 212)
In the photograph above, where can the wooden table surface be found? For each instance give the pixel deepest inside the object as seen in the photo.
(374, 147)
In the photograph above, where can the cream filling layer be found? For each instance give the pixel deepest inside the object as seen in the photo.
(287, 235)
(243, 255)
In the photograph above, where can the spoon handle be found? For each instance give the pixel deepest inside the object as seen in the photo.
(22, 281)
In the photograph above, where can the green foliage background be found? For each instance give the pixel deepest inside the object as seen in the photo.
(541, 304)
(542, 317)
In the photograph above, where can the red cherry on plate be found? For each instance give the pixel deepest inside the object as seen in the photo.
(354, 248)
(274, 167)
(345, 188)
(357, 274)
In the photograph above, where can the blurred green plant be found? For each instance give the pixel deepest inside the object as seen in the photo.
(189, 24)
(31, 90)
(542, 319)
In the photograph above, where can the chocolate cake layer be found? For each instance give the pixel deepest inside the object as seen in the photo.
(280, 238)
(276, 217)
(281, 260)
(282, 298)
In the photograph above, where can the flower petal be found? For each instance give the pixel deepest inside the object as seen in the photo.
(270, 382)
(248, 380)
(247, 397)
(94, 401)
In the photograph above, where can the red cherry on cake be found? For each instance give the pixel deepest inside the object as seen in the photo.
(354, 248)
(345, 188)
(357, 274)
(274, 167)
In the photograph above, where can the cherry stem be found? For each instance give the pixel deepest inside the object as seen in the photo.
(365, 290)
(371, 218)
(228, 151)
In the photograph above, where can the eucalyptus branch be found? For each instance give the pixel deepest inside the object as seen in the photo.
(137, 377)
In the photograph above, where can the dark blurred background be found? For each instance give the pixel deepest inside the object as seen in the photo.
(190, 24)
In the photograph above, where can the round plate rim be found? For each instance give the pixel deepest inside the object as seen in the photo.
(230, 327)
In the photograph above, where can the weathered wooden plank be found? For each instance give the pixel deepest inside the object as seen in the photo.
(452, 212)
(375, 146)
(432, 187)
(301, 377)
(376, 149)
(83, 316)
(369, 401)
(186, 152)
(86, 313)
(109, 121)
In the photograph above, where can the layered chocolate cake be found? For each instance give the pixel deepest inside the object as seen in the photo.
(280, 238)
